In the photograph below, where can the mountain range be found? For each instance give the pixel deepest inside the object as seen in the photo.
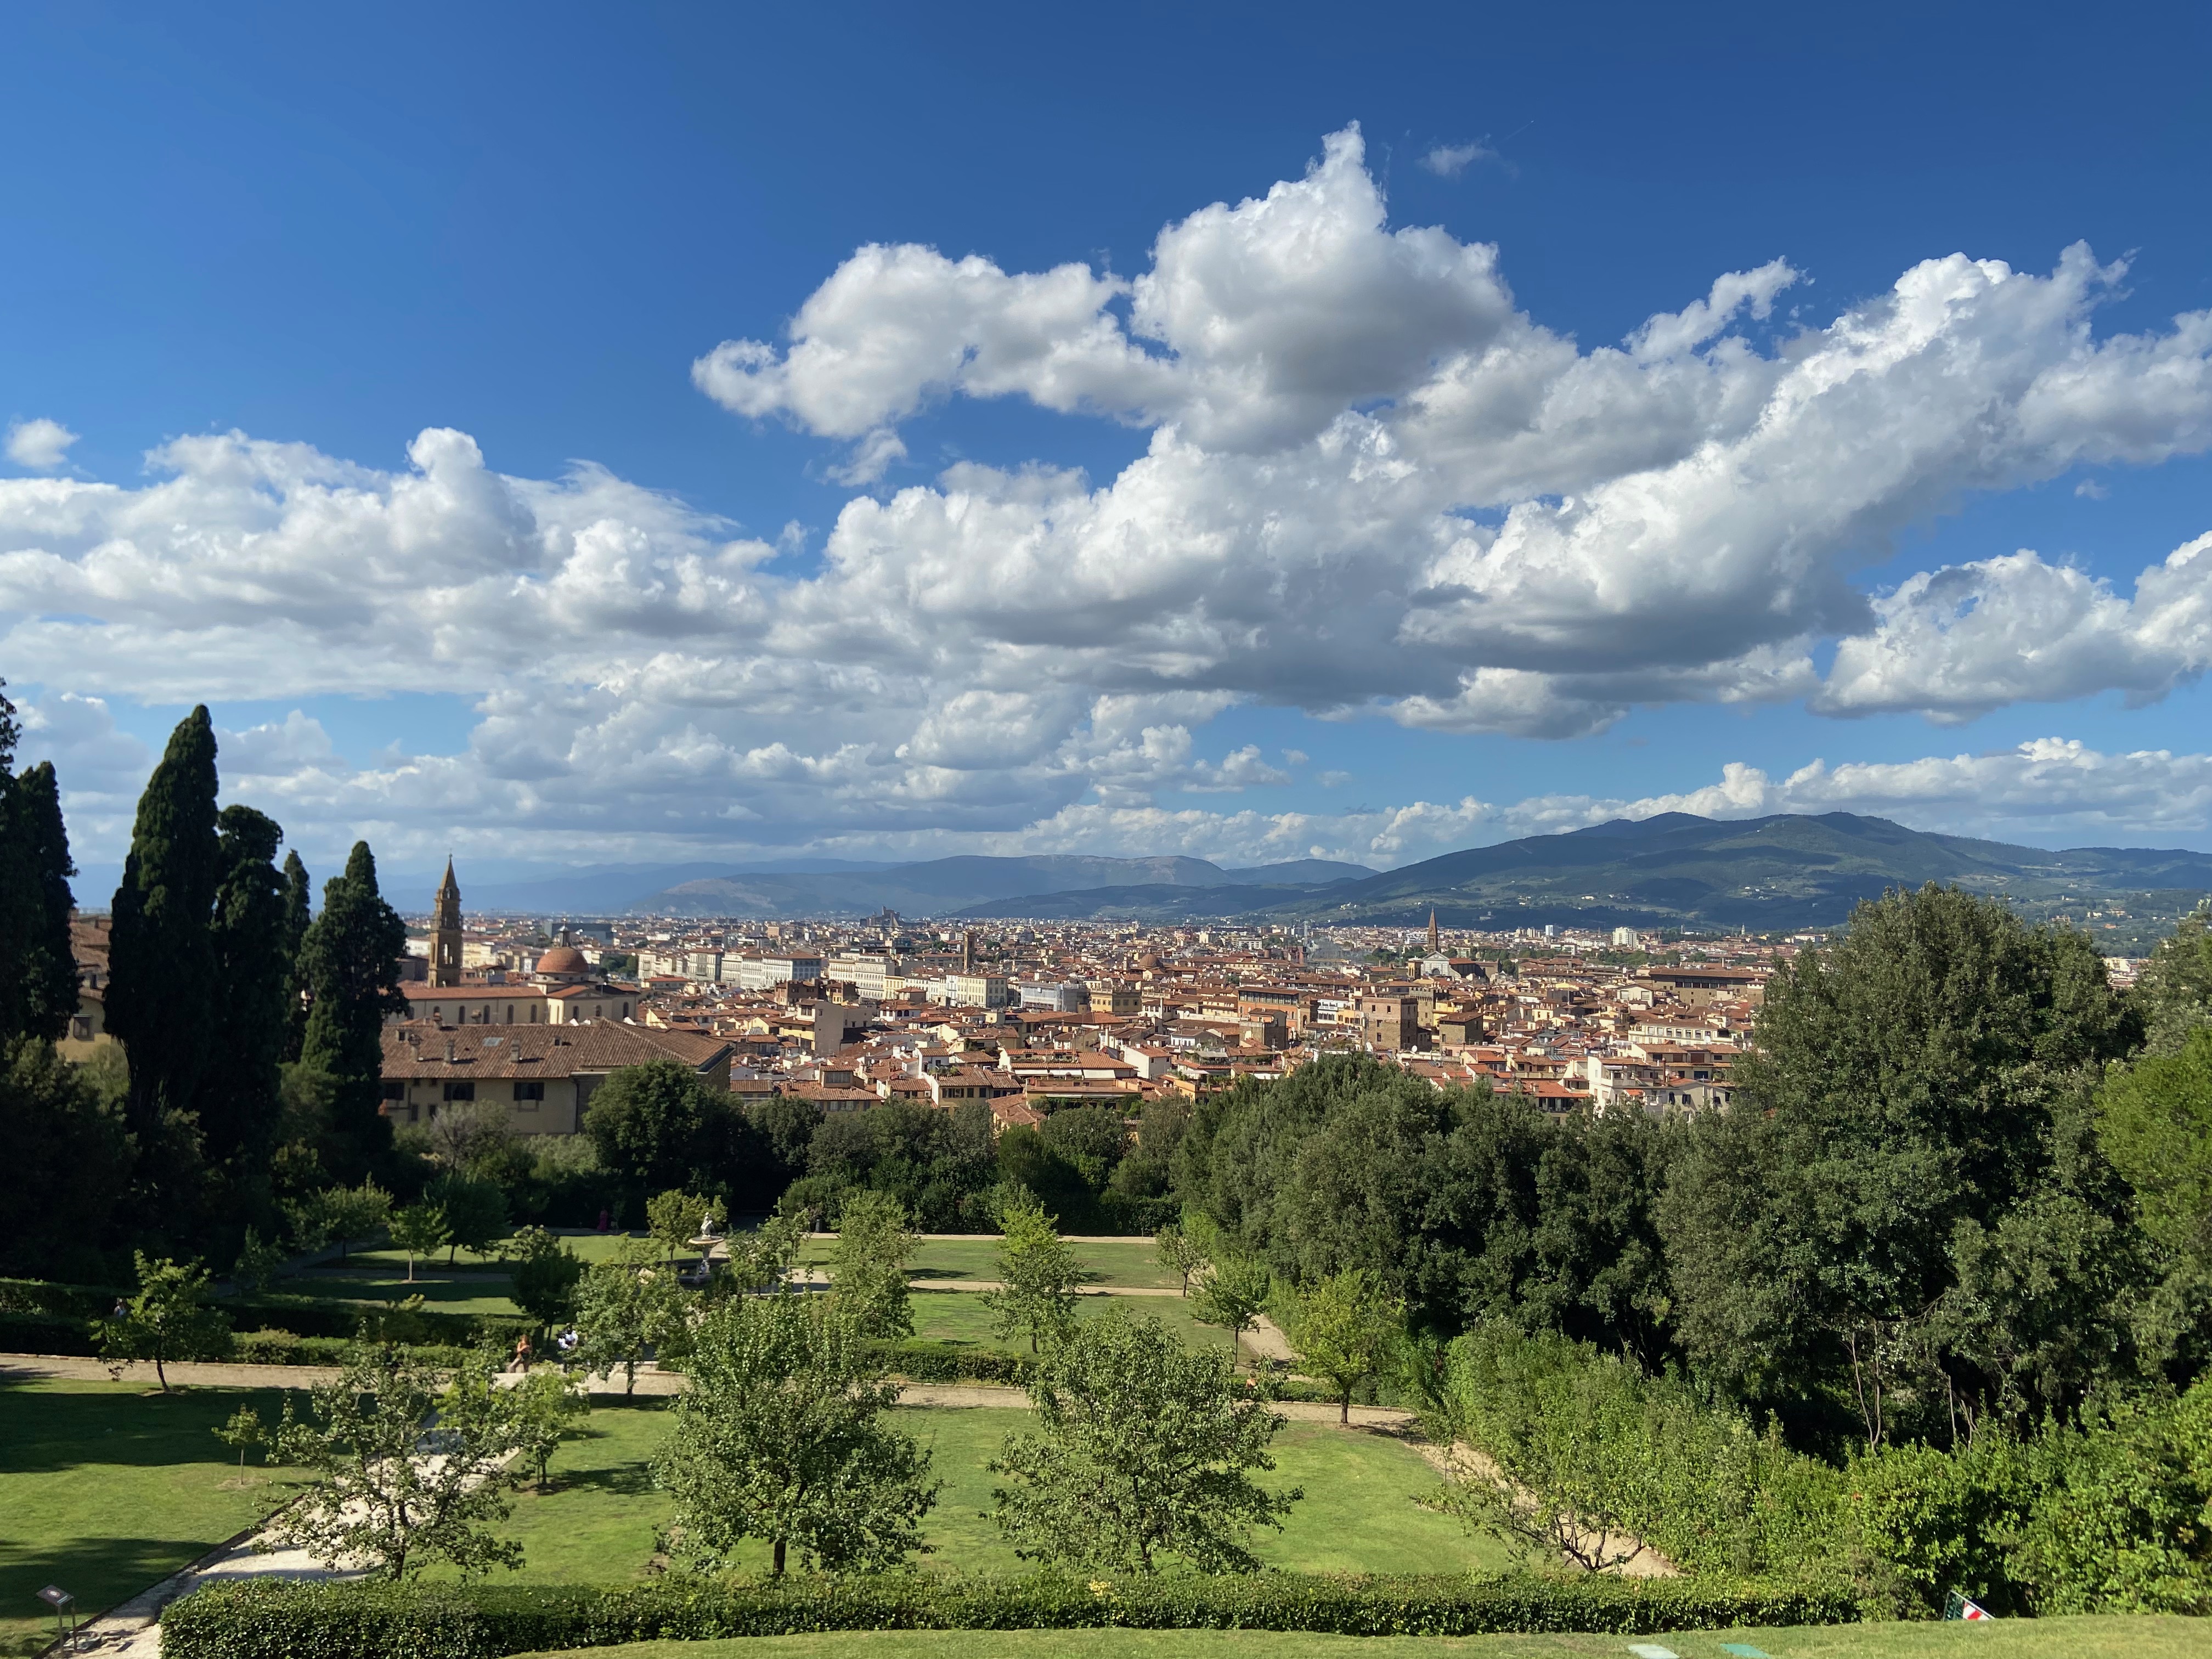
(1777, 873)
(827, 888)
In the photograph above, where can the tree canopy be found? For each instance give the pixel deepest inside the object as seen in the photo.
(1142, 1450)
(782, 1436)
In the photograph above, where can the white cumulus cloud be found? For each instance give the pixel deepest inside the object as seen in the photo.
(1957, 642)
(1372, 484)
(40, 444)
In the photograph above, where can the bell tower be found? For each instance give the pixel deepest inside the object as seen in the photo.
(445, 932)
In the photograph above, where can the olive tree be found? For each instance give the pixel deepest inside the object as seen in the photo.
(867, 1269)
(1232, 1295)
(781, 1438)
(1142, 1449)
(1179, 1253)
(675, 1218)
(628, 1308)
(546, 1407)
(1343, 1330)
(166, 1319)
(418, 1229)
(1037, 1276)
(544, 1276)
(397, 1492)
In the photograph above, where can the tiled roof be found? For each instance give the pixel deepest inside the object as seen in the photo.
(419, 1050)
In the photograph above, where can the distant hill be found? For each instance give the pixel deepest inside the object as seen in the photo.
(1767, 874)
(595, 890)
(952, 886)
(1298, 872)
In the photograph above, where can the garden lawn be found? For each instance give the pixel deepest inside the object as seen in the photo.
(964, 1318)
(2108, 1637)
(1134, 1262)
(463, 1292)
(597, 1525)
(107, 1489)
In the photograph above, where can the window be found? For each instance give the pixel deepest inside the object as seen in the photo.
(460, 1092)
(81, 1028)
(532, 1090)
(394, 1088)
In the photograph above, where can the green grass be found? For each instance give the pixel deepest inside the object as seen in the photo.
(2110, 1638)
(1134, 1263)
(106, 1490)
(442, 1292)
(597, 1525)
(964, 1318)
(597, 1247)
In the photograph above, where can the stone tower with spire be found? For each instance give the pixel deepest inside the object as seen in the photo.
(1435, 941)
(445, 932)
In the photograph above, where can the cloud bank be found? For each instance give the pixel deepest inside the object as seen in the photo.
(1373, 486)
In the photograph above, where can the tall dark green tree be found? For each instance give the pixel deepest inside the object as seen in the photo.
(239, 1102)
(349, 960)
(162, 982)
(298, 915)
(1912, 1090)
(49, 974)
(37, 974)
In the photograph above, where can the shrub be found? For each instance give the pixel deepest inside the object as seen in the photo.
(942, 1362)
(274, 1347)
(1941, 1521)
(2118, 1522)
(43, 1295)
(46, 1333)
(268, 1621)
(305, 1315)
(265, 1348)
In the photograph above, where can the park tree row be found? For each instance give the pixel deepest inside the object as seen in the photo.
(249, 1063)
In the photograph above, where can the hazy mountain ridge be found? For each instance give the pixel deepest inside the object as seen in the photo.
(1781, 873)
(1784, 872)
(955, 885)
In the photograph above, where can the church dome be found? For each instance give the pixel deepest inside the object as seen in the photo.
(563, 962)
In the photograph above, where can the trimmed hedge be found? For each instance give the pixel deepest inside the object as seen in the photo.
(47, 1296)
(251, 1619)
(284, 1349)
(942, 1362)
(305, 1315)
(46, 1333)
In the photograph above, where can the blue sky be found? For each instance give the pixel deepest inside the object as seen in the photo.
(336, 228)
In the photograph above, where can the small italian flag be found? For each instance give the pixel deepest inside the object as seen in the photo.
(1958, 1607)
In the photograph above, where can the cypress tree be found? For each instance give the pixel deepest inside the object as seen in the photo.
(16, 905)
(351, 961)
(239, 1107)
(297, 895)
(50, 992)
(161, 977)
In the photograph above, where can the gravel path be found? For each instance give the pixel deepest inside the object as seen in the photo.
(651, 1379)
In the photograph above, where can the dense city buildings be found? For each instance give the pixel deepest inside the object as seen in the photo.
(1033, 1018)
